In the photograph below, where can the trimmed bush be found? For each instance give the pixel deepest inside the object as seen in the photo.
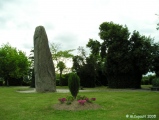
(74, 84)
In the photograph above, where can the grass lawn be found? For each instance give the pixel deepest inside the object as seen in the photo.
(116, 104)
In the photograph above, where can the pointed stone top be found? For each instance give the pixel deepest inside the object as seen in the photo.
(38, 31)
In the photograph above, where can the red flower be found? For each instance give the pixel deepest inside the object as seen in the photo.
(81, 102)
(62, 100)
(87, 99)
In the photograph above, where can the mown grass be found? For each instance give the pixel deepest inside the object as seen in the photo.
(116, 104)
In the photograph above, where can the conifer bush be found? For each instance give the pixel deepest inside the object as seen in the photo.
(73, 84)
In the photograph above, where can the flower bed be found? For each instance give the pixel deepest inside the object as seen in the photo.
(81, 100)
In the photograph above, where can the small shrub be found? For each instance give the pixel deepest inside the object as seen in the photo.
(70, 98)
(155, 82)
(79, 97)
(73, 84)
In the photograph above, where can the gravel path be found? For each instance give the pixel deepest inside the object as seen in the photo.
(58, 90)
(33, 90)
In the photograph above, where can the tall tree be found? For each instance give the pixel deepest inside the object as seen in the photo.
(60, 55)
(114, 49)
(127, 59)
(141, 55)
(61, 66)
(155, 60)
(98, 62)
(87, 67)
(13, 63)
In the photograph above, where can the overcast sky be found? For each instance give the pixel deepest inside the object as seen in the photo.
(72, 22)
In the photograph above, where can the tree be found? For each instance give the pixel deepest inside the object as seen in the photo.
(155, 60)
(98, 62)
(60, 55)
(89, 67)
(141, 55)
(61, 65)
(127, 57)
(114, 49)
(13, 64)
(79, 62)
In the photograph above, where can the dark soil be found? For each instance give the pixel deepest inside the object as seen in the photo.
(76, 106)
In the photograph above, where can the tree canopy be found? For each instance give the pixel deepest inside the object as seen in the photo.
(120, 59)
(13, 64)
(128, 57)
(60, 55)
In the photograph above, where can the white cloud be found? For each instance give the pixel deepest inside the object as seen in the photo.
(72, 22)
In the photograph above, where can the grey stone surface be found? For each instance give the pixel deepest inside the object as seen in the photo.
(43, 64)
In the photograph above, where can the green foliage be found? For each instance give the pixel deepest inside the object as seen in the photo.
(13, 64)
(155, 60)
(61, 65)
(90, 68)
(32, 84)
(79, 97)
(1, 81)
(127, 57)
(155, 82)
(112, 33)
(57, 82)
(147, 80)
(119, 60)
(70, 98)
(64, 80)
(60, 57)
(65, 77)
(94, 45)
(74, 84)
(86, 71)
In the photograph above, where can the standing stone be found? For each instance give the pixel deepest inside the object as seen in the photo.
(43, 64)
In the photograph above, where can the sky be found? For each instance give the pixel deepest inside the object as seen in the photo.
(71, 23)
